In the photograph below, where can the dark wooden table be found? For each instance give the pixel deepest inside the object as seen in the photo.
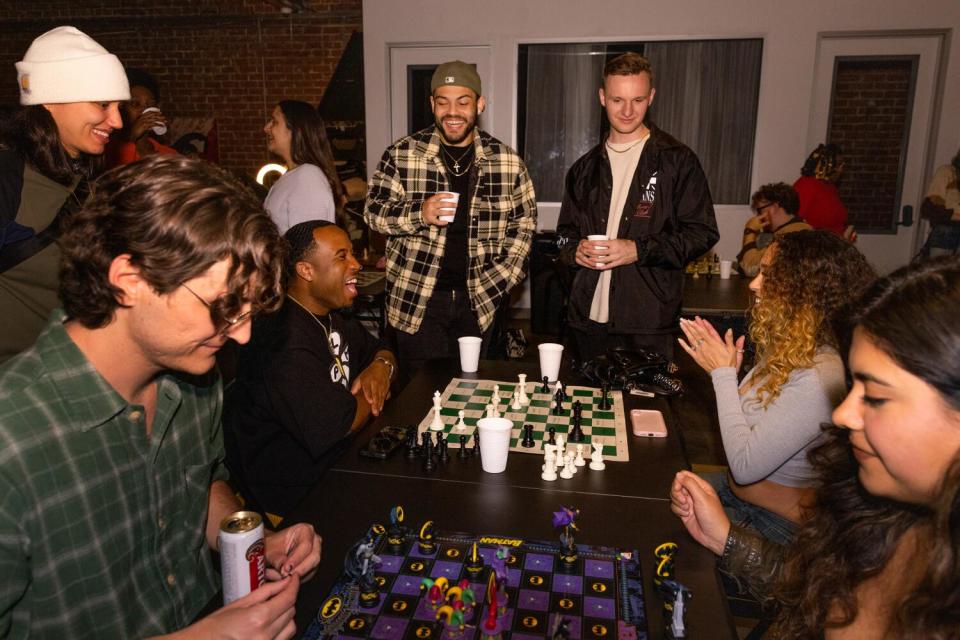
(713, 296)
(625, 505)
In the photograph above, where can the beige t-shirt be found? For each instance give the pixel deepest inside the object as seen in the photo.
(623, 164)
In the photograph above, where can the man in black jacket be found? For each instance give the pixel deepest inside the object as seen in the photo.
(647, 193)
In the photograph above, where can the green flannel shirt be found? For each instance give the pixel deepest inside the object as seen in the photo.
(503, 217)
(102, 529)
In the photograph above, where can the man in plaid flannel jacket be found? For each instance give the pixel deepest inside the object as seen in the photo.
(450, 264)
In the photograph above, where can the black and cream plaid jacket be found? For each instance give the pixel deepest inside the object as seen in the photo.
(503, 217)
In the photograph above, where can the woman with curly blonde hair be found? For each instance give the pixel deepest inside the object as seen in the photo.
(804, 290)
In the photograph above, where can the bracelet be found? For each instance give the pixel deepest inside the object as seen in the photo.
(388, 363)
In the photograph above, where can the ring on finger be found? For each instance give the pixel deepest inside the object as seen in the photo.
(700, 341)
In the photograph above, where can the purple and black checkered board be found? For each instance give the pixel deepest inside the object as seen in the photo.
(601, 595)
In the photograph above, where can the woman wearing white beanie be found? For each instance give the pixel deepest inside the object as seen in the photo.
(70, 88)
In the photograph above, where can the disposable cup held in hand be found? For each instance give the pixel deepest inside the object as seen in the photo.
(598, 237)
(550, 356)
(725, 267)
(159, 129)
(469, 353)
(454, 199)
(494, 443)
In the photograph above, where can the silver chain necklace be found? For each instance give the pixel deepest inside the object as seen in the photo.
(336, 359)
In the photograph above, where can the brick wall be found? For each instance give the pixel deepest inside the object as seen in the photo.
(232, 60)
(869, 114)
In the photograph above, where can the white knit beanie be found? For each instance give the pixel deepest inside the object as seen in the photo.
(67, 65)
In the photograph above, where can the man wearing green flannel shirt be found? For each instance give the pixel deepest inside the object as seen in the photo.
(111, 454)
(450, 266)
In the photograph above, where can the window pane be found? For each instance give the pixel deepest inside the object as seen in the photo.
(707, 94)
(870, 112)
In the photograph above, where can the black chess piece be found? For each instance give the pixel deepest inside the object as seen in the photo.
(562, 390)
(442, 449)
(551, 435)
(546, 385)
(425, 440)
(463, 453)
(411, 444)
(428, 463)
(605, 398)
(527, 441)
(576, 433)
(558, 403)
(476, 443)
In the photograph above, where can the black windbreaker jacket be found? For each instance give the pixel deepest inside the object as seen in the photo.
(668, 213)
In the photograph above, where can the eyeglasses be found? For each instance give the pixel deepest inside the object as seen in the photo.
(759, 210)
(221, 322)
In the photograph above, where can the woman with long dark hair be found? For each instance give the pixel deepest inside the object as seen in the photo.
(879, 554)
(310, 189)
(770, 419)
(70, 88)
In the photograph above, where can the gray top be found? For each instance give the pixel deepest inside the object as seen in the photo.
(771, 443)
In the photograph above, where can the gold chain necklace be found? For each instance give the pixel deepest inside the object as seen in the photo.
(456, 161)
(336, 359)
(630, 147)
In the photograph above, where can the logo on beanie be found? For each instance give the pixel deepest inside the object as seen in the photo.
(25, 83)
(449, 80)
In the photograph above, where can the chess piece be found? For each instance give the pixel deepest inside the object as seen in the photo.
(461, 425)
(605, 398)
(442, 449)
(495, 400)
(515, 405)
(549, 454)
(411, 444)
(596, 458)
(561, 444)
(528, 442)
(549, 468)
(558, 403)
(579, 461)
(524, 398)
(476, 443)
(437, 423)
(462, 453)
(567, 472)
(545, 388)
(552, 435)
(428, 463)
(559, 390)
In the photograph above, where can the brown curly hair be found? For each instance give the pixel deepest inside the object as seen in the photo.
(851, 535)
(176, 217)
(808, 290)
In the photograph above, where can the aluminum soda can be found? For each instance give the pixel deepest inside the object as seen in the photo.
(243, 560)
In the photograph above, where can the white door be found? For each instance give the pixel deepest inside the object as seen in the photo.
(408, 64)
(891, 250)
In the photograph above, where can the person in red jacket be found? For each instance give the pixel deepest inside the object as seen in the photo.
(143, 122)
(820, 204)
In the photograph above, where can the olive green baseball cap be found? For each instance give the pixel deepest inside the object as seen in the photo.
(456, 73)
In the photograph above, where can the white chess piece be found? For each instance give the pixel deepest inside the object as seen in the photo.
(561, 443)
(495, 400)
(516, 405)
(461, 425)
(557, 388)
(524, 398)
(549, 456)
(571, 462)
(579, 461)
(437, 423)
(568, 470)
(549, 472)
(596, 459)
(492, 411)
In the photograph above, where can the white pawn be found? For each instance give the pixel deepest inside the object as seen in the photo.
(568, 470)
(579, 461)
(596, 460)
(561, 443)
(496, 395)
(492, 411)
(461, 425)
(516, 405)
(437, 423)
(571, 462)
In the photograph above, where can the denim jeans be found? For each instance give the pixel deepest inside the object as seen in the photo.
(768, 524)
(944, 239)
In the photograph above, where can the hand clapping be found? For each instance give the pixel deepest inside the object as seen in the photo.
(707, 348)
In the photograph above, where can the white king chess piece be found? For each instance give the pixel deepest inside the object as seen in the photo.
(596, 459)
(437, 423)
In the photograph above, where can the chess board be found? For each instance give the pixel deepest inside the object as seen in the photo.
(601, 595)
(473, 396)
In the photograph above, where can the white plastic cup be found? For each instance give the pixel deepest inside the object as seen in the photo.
(452, 198)
(598, 237)
(469, 353)
(725, 267)
(550, 355)
(160, 129)
(494, 443)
